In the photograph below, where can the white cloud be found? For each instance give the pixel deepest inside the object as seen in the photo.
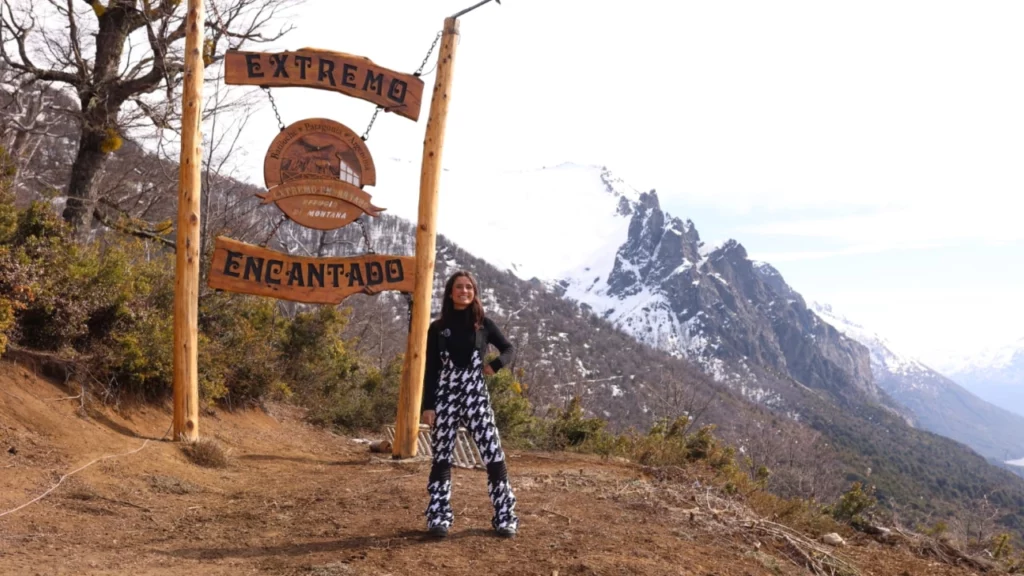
(937, 325)
(799, 255)
(928, 224)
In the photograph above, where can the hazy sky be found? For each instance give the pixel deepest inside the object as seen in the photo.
(871, 151)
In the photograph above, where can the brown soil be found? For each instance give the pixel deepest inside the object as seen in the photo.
(298, 500)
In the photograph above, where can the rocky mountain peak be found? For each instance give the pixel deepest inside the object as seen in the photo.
(733, 316)
(657, 246)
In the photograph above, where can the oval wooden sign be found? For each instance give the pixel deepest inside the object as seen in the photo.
(318, 148)
(315, 171)
(318, 212)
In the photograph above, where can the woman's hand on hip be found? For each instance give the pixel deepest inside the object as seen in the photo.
(428, 418)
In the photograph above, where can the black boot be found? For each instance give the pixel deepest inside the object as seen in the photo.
(506, 532)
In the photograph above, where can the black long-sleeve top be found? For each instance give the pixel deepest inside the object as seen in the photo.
(460, 342)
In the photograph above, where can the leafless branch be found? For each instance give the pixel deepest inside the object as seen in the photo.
(19, 31)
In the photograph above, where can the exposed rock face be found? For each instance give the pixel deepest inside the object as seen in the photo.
(733, 316)
(937, 403)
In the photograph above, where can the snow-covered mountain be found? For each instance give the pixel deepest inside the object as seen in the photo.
(883, 359)
(573, 239)
(993, 357)
(937, 403)
(737, 319)
(597, 241)
(997, 375)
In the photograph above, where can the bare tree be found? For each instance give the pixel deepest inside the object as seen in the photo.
(31, 131)
(798, 459)
(975, 525)
(378, 325)
(671, 396)
(114, 58)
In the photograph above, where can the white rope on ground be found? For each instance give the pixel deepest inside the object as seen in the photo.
(68, 475)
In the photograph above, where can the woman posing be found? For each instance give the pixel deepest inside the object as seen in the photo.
(454, 394)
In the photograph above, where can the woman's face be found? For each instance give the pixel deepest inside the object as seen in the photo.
(462, 292)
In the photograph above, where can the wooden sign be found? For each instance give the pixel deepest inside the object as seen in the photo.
(248, 269)
(315, 170)
(321, 204)
(355, 76)
(319, 148)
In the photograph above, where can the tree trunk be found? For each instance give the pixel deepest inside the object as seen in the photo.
(99, 110)
(87, 165)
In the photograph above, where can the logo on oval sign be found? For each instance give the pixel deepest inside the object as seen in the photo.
(315, 171)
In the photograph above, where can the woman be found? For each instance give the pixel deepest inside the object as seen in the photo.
(454, 394)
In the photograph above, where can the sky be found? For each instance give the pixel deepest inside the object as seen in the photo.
(871, 151)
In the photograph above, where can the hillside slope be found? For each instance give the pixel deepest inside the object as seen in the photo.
(297, 500)
(567, 350)
(997, 375)
(937, 403)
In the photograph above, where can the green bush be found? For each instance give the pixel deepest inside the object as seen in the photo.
(314, 353)
(570, 428)
(366, 403)
(107, 305)
(513, 413)
(854, 503)
(240, 360)
(6, 322)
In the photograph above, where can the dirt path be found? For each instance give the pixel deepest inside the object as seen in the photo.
(297, 500)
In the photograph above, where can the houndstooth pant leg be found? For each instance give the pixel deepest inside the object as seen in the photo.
(463, 400)
(442, 439)
(479, 418)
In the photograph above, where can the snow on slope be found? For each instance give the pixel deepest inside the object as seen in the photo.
(542, 223)
(938, 403)
(997, 375)
(882, 354)
(992, 358)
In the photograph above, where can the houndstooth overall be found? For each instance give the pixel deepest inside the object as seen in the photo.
(462, 399)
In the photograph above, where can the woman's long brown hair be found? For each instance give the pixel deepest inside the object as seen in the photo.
(476, 308)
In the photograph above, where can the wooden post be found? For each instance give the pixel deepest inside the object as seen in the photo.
(411, 391)
(186, 284)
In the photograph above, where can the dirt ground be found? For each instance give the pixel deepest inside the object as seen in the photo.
(298, 500)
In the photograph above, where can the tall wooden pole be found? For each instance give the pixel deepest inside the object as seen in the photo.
(186, 285)
(411, 392)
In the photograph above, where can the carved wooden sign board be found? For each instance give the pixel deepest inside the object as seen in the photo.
(315, 170)
(249, 269)
(355, 76)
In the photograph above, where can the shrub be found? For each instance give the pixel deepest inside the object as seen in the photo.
(570, 429)
(206, 453)
(366, 403)
(513, 413)
(240, 360)
(6, 322)
(313, 350)
(1002, 546)
(854, 503)
(106, 307)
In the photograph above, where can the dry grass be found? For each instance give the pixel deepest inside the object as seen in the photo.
(206, 453)
(171, 485)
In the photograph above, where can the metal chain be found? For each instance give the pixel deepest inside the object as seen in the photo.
(366, 235)
(366, 134)
(417, 73)
(423, 65)
(274, 106)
